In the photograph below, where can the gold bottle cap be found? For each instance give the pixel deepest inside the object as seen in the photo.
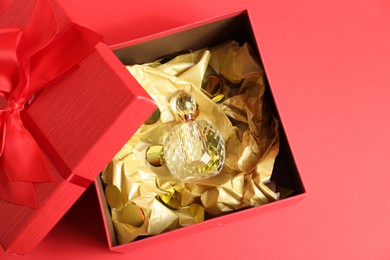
(155, 155)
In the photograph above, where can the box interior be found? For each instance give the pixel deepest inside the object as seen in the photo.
(236, 27)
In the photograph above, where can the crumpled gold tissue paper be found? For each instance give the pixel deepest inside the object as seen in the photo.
(250, 132)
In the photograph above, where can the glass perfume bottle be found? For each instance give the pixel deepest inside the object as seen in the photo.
(194, 149)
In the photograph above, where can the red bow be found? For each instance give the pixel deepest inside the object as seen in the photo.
(30, 59)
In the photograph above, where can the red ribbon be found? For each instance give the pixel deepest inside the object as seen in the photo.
(30, 59)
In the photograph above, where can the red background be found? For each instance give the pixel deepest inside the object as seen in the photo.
(327, 62)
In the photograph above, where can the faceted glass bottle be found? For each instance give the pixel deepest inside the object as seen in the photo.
(193, 149)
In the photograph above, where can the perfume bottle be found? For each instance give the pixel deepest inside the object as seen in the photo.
(194, 149)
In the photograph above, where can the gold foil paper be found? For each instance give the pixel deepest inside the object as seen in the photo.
(249, 130)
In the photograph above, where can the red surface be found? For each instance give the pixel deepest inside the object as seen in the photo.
(327, 62)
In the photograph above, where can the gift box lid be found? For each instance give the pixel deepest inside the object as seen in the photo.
(81, 114)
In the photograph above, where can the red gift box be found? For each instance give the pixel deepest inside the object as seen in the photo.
(195, 36)
(79, 118)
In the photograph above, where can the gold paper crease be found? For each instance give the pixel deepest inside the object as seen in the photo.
(249, 130)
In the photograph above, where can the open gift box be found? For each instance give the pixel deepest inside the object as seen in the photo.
(196, 36)
(81, 114)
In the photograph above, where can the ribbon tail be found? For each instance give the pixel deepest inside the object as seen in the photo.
(21, 193)
(22, 159)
